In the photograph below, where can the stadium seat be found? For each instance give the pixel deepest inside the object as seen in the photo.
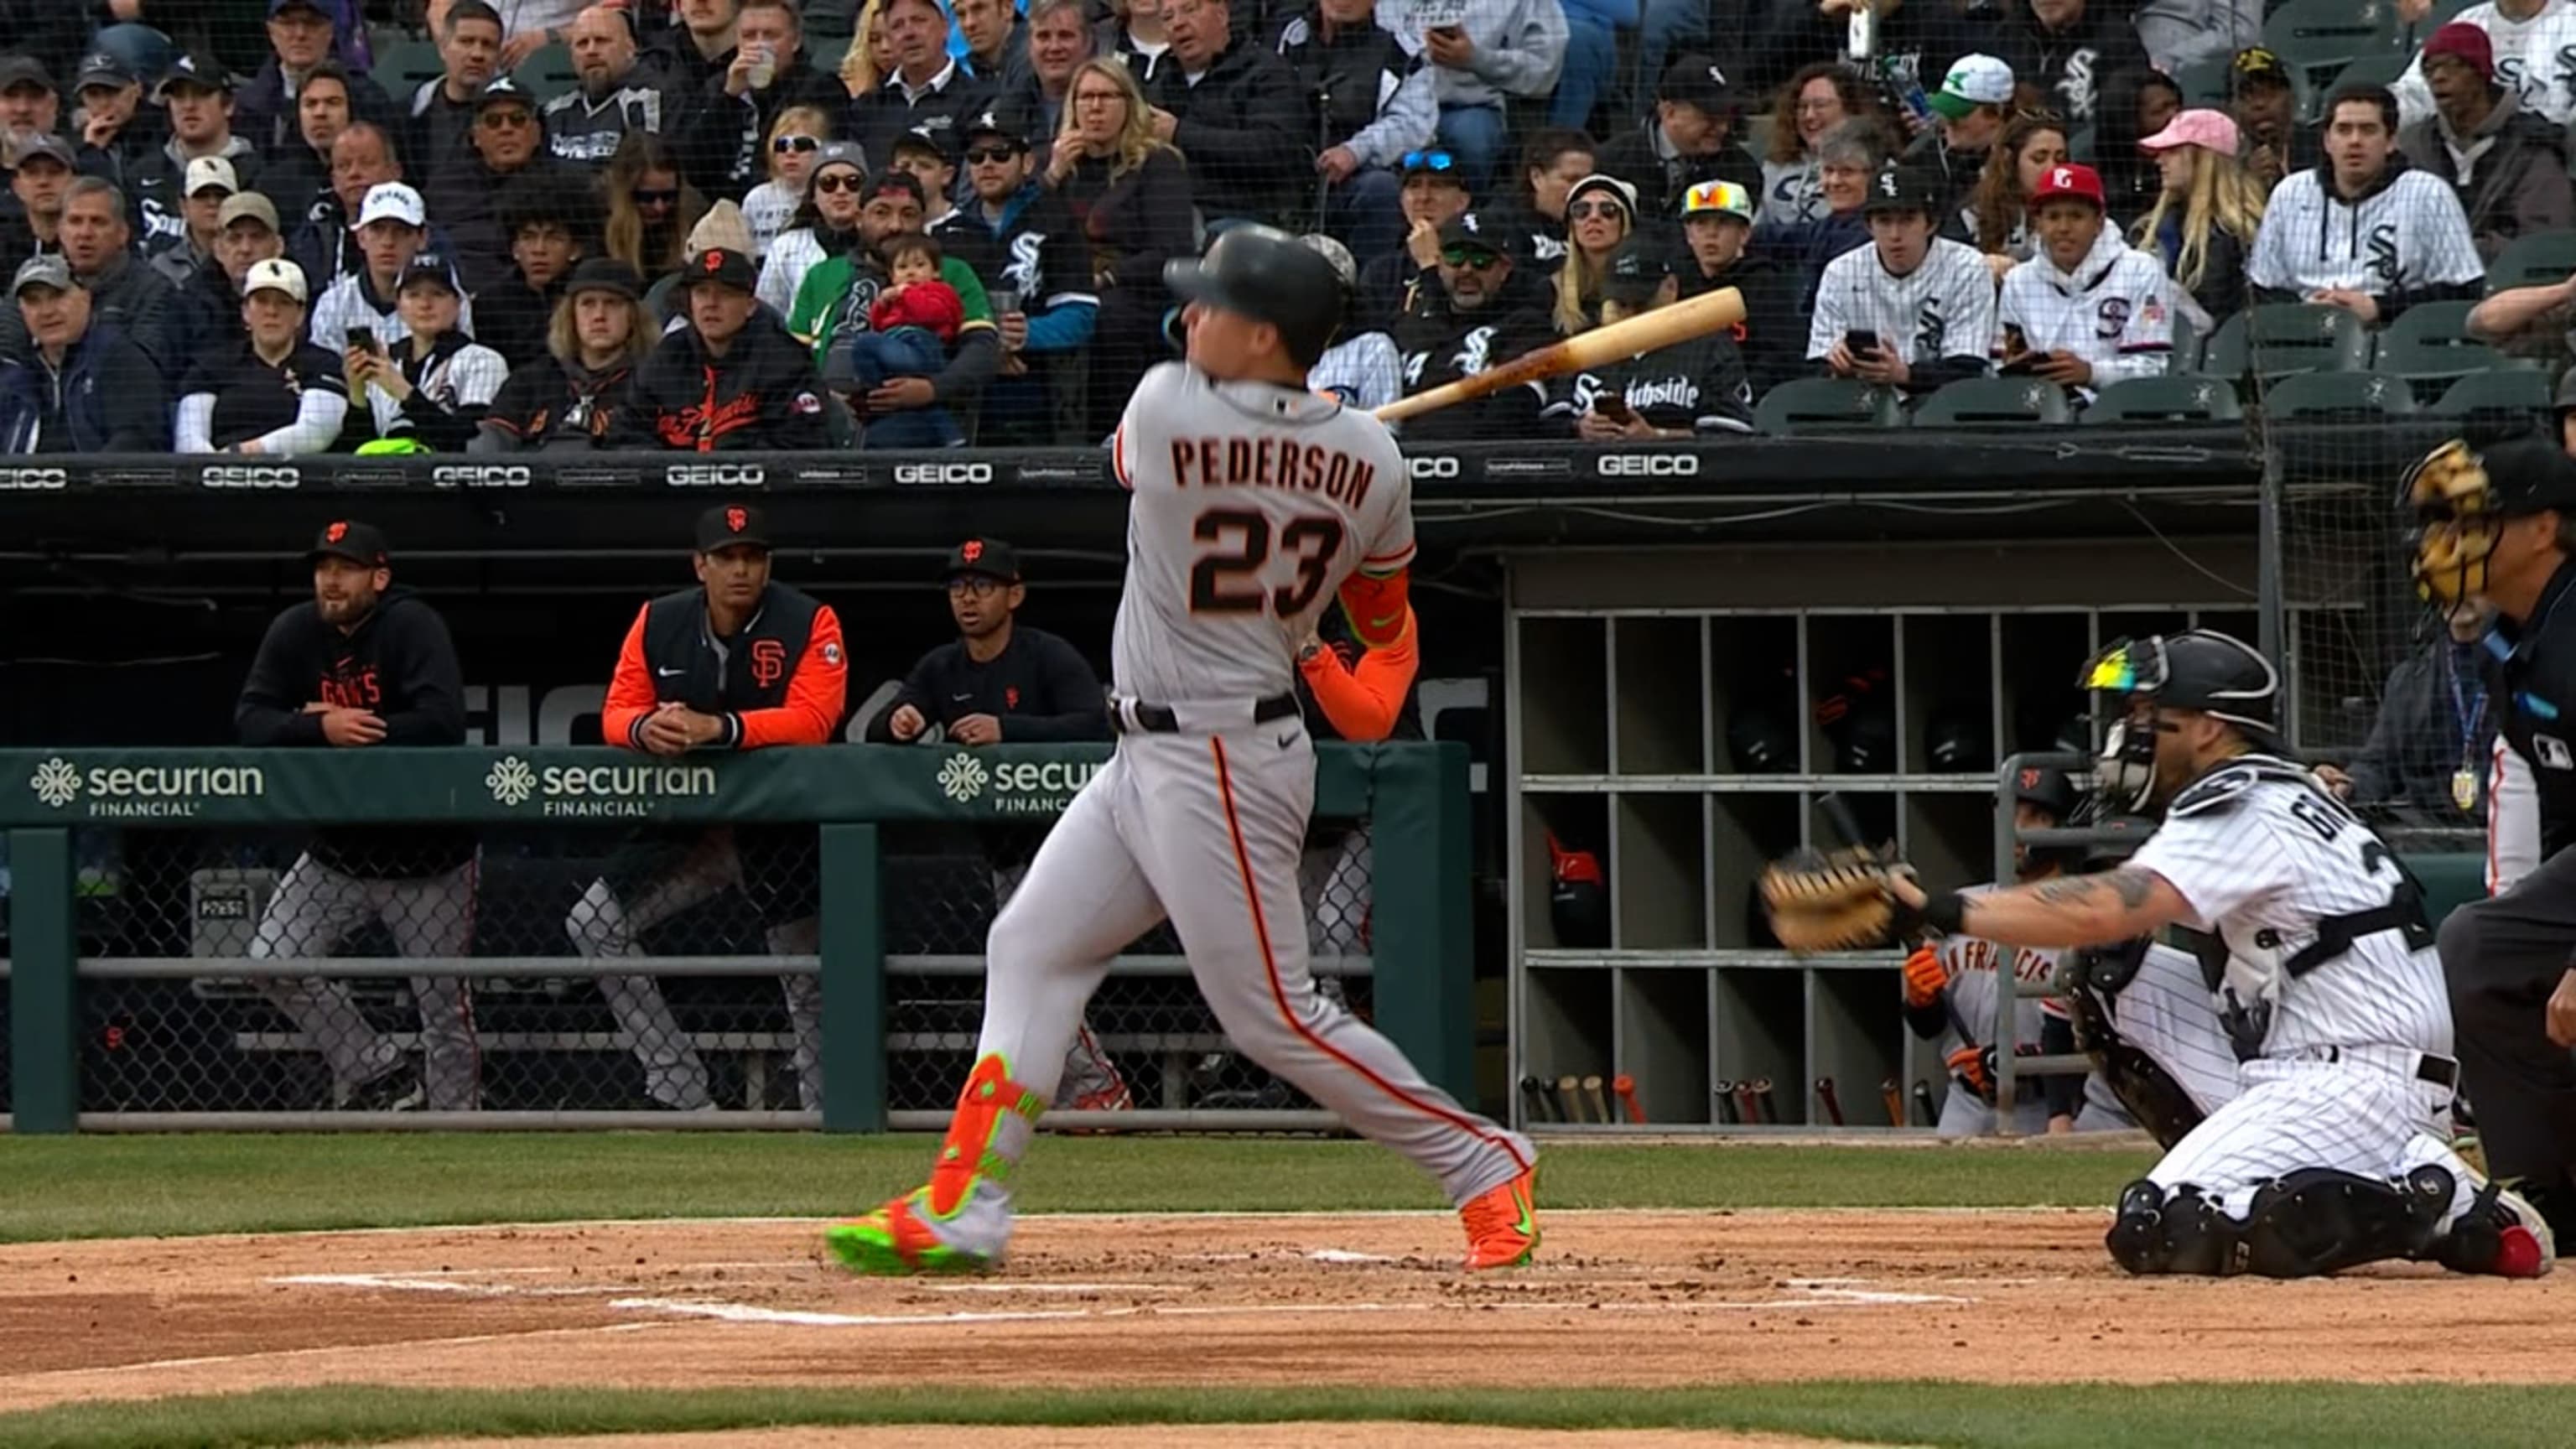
(1824, 404)
(2495, 393)
(1996, 402)
(2280, 338)
(402, 67)
(2347, 395)
(548, 73)
(2180, 398)
(824, 52)
(2533, 261)
(2374, 70)
(2316, 36)
(2442, 13)
(2429, 346)
(2187, 343)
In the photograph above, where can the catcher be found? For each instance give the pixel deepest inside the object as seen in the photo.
(2314, 939)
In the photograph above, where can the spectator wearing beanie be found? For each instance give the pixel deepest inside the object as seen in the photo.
(2533, 44)
(2507, 165)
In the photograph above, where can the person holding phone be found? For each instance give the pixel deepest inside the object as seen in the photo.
(1913, 309)
(2087, 310)
(1482, 51)
(1671, 394)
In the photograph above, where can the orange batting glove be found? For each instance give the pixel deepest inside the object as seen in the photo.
(1924, 977)
(1968, 1064)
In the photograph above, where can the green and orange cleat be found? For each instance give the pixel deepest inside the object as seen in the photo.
(898, 1241)
(1502, 1225)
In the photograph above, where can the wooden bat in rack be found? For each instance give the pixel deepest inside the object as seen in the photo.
(1616, 342)
(1593, 1094)
(1624, 1087)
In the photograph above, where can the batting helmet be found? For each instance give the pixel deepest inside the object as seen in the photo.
(1269, 276)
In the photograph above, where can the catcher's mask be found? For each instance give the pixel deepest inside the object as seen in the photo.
(2198, 669)
(2456, 522)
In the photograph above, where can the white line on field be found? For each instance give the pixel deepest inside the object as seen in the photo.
(1053, 1287)
(815, 1318)
(14, 1381)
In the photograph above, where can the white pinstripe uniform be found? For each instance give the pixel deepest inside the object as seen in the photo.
(2165, 1011)
(2536, 57)
(1251, 504)
(1943, 308)
(2262, 860)
(2110, 311)
(469, 377)
(2406, 235)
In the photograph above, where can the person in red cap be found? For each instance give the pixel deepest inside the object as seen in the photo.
(734, 379)
(2507, 164)
(2087, 310)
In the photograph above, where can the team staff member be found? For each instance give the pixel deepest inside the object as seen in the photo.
(1002, 680)
(739, 663)
(733, 378)
(274, 394)
(367, 664)
(2495, 528)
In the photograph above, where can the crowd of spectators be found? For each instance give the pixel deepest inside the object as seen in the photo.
(721, 224)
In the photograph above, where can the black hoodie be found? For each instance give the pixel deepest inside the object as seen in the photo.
(2070, 65)
(399, 664)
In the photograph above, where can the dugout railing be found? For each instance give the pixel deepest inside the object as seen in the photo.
(138, 881)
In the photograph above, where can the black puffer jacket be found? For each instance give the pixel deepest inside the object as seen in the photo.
(762, 395)
(1248, 134)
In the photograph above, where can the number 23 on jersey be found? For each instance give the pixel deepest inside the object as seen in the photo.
(1239, 544)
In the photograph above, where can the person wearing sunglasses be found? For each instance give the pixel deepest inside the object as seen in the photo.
(1037, 271)
(1376, 109)
(508, 145)
(825, 224)
(651, 207)
(1695, 386)
(1432, 194)
(1599, 214)
(614, 94)
(796, 138)
(1478, 318)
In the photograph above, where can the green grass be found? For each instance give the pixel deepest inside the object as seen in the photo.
(2100, 1416)
(103, 1186)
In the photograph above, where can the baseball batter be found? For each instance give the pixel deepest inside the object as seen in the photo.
(1256, 503)
(2335, 1153)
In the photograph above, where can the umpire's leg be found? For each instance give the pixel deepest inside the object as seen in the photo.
(312, 910)
(2502, 957)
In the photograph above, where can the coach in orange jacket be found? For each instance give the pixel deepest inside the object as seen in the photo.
(739, 663)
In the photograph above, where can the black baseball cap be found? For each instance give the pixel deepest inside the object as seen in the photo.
(1467, 233)
(359, 543)
(923, 138)
(199, 69)
(988, 557)
(503, 91)
(1636, 270)
(2259, 64)
(605, 274)
(991, 124)
(723, 266)
(428, 267)
(1906, 188)
(732, 525)
(2527, 473)
(101, 68)
(24, 70)
(1697, 80)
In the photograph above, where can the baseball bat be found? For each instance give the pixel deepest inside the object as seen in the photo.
(1625, 1087)
(1534, 1093)
(1747, 1106)
(1629, 337)
(1825, 1094)
(1600, 1103)
(1923, 1103)
(1567, 1089)
(1894, 1097)
(1725, 1093)
(1770, 1104)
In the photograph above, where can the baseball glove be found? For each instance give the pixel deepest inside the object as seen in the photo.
(1837, 902)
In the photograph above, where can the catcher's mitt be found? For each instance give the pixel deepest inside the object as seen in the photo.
(1837, 902)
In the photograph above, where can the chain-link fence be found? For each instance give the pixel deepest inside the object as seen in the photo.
(576, 971)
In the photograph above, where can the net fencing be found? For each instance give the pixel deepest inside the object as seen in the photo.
(660, 972)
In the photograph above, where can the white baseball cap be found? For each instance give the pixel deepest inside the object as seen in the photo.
(1973, 81)
(208, 171)
(393, 201)
(277, 274)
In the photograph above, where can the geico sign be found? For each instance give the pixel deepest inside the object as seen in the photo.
(250, 477)
(715, 475)
(32, 478)
(1650, 465)
(943, 472)
(1432, 467)
(486, 475)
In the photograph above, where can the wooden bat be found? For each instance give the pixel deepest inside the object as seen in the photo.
(1568, 1091)
(1630, 337)
(1625, 1088)
(1895, 1100)
(1746, 1103)
(1600, 1103)
(1534, 1092)
(1725, 1094)
(1770, 1104)
(1825, 1094)
(1923, 1103)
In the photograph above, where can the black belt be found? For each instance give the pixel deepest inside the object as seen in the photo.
(2440, 1071)
(1159, 719)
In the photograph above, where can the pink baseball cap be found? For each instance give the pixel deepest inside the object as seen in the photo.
(2209, 130)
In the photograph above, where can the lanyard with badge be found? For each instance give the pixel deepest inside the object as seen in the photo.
(2469, 711)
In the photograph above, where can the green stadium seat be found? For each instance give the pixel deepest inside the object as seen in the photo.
(1826, 404)
(2374, 70)
(2498, 393)
(2533, 261)
(2281, 338)
(1996, 402)
(2178, 398)
(2329, 395)
(548, 73)
(400, 69)
(2314, 36)
(2429, 345)
(824, 52)
(2187, 343)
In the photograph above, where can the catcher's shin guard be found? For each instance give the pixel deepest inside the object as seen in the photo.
(2155, 1231)
(2138, 1081)
(2322, 1220)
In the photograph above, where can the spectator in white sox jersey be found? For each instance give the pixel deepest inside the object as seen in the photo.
(438, 383)
(1911, 310)
(2361, 232)
(2506, 164)
(2534, 43)
(2086, 310)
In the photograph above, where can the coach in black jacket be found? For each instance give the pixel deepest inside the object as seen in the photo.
(733, 379)
(1248, 134)
(998, 680)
